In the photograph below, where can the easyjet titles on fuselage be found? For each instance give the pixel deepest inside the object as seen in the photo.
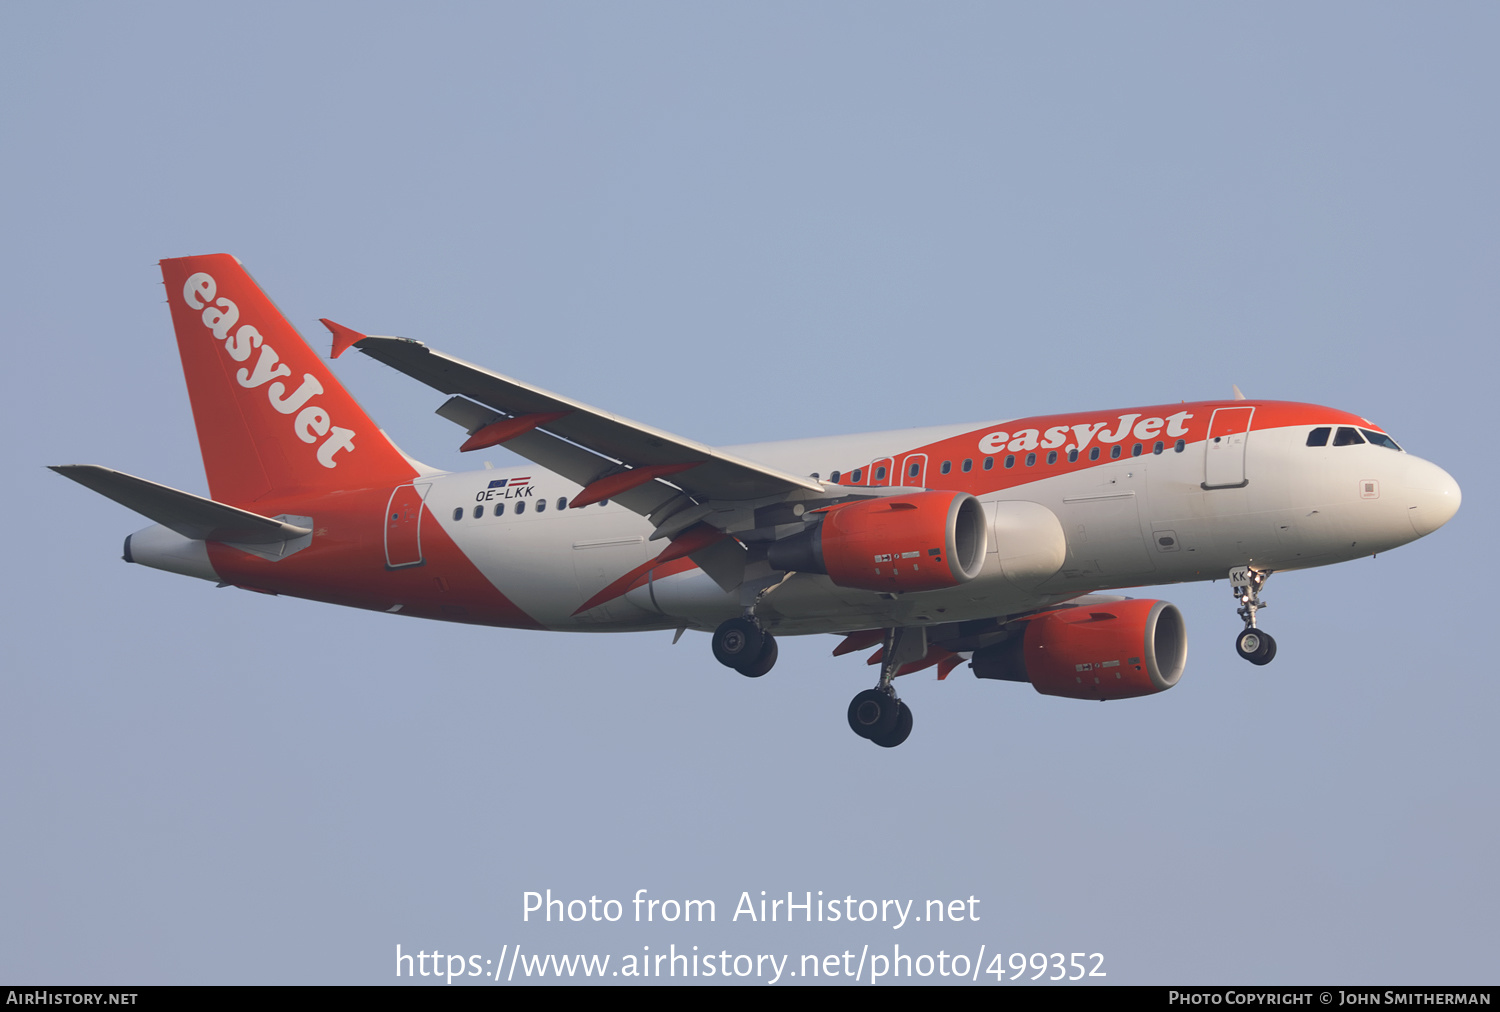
(1024, 440)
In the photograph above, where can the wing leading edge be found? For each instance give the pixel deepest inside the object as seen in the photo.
(579, 441)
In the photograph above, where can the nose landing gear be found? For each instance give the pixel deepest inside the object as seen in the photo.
(1252, 644)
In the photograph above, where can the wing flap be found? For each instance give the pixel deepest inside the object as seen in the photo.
(190, 515)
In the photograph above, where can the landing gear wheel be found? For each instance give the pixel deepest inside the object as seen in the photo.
(1268, 650)
(765, 662)
(738, 643)
(1255, 646)
(873, 713)
(900, 732)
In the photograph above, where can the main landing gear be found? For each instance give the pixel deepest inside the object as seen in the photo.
(741, 644)
(877, 714)
(1252, 644)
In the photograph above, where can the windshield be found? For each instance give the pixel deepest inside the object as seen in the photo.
(1380, 439)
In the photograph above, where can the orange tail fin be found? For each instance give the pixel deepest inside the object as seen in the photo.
(271, 417)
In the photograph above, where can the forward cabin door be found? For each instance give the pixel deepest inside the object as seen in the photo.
(1224, 453)
(403, 526)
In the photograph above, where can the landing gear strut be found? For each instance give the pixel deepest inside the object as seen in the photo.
(1252, 644)
(877, 714)
(741, 644)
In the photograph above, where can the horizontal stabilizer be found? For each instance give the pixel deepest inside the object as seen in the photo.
(190, 515)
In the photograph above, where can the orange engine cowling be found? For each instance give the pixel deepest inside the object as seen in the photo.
(1094, 651)
(922, 541)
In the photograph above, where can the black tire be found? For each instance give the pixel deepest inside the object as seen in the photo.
(765, 662)
(1267, 652)
(738, 642)
(1250, 643)
(873, 713)
(900, 732)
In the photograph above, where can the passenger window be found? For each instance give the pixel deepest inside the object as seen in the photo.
(1135, 451)
(603, 502)
(1158, 447)
(1319, 436)
(499, 509)
(1030, 459)
(857, 475)
(1114, 452)
(1180, 446)
(947, 466)
(478, 511)
(989, 463)
(880, 473)
(562, 503)
(1072, 456)
(911, 472)
(834, 477)
(968, 465)
(458, 514)
(1347, 437)
(1010, 460)
(1094, 453)
(1052, 456)
(520, 507)
(1380, 439)
(541, 505)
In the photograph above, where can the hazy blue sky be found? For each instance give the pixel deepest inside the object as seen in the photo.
(743, 223)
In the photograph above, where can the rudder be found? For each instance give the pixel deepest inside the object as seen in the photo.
(270, 415)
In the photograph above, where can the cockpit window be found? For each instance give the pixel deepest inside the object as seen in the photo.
(1380, 439)
(1346, 436)
(1319, 436)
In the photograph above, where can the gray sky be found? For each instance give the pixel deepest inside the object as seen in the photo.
(744, 223)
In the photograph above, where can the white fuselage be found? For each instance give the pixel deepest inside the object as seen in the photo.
(1133, 521)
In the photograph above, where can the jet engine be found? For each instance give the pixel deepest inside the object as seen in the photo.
(921, 541)
(1113, 650)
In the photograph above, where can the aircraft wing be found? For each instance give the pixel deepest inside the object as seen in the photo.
(522, 417)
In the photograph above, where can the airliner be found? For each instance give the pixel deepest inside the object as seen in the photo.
(994, 545)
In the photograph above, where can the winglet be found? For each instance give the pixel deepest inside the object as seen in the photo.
(343, 337)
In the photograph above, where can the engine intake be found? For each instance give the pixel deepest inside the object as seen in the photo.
(922, 541)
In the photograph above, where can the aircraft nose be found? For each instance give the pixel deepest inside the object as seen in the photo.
(1432, 496)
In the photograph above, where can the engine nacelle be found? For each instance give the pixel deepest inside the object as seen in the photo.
(1094, 651)
(922, 541)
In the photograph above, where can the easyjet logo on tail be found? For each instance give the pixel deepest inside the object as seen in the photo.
(312, 422)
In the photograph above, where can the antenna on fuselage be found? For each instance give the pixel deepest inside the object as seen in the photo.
(1237, 395)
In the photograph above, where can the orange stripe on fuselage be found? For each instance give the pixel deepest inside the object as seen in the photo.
(637, 577)
(1084, 430)
(346, 564)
